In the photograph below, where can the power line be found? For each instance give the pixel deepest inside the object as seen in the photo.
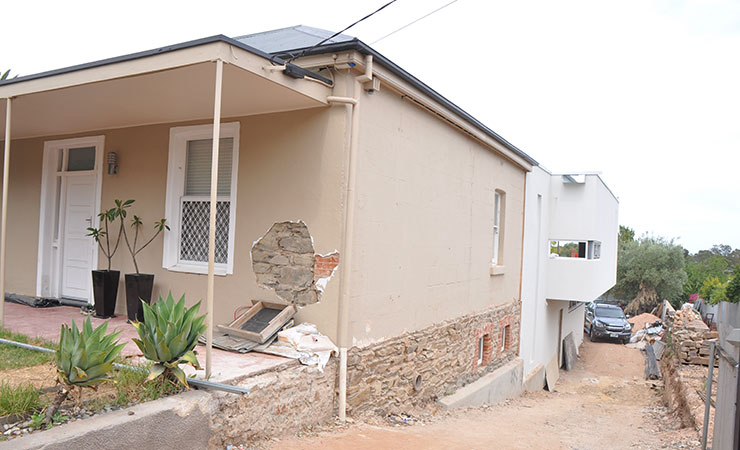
(340, 32)
(409, 24)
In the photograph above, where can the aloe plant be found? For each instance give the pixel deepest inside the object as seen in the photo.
(84, 358)
(168, 336)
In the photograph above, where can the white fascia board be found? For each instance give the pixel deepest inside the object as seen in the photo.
(122, 69)
(255, 64)
(166, 61)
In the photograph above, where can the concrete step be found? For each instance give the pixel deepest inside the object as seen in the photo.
(501, 384)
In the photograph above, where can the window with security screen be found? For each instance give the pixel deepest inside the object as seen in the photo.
(188, 198)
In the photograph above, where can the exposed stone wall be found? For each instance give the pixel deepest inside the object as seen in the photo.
(281, 401)
(284, 260)
(416, 368)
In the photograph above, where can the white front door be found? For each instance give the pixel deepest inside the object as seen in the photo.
(77, 247)
(70, 201)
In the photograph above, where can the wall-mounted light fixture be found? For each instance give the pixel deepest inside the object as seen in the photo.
(112, 163)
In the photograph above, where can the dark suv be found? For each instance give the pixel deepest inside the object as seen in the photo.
(606, 321)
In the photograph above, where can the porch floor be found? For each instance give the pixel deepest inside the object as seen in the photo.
(46, 323)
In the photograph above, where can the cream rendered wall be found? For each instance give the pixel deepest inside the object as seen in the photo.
(424, 222)
(291, 167)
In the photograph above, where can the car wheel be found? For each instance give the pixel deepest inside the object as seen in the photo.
(591, 334)
(625, 341)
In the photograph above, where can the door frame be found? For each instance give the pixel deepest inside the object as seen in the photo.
(48, 276)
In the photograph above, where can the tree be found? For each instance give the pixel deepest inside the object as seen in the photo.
(714, 290)
(650, 264)
(698, 273)
(626, 234)
(724, 251)
(732, 292)
(4, 75)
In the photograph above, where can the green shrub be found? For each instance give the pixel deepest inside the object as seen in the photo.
(714, 290)
(732, 292)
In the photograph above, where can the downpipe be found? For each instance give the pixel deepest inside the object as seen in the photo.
(343, 313)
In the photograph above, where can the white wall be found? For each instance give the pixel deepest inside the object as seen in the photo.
(554, 210)
(534, 308)
(581, 212)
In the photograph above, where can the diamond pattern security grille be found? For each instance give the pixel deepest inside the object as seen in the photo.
(194, 230)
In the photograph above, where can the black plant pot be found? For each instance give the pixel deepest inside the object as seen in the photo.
(105, 292)
(138, 287)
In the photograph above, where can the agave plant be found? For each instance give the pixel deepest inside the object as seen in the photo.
(168, 336)
(84, 358)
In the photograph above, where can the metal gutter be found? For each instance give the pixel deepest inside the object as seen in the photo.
(361, 47)
(170, 48)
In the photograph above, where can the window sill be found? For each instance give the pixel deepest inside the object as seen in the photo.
(220, 269)
(497, 269)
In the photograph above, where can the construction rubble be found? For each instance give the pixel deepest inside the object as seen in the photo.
(691, 337)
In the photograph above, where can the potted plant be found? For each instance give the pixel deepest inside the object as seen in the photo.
(105, 282)
(138, 285)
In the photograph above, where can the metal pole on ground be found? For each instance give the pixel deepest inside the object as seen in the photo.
(212, 221)
(708, 400)
(3, 219)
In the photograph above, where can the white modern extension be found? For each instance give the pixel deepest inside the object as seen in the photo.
(570, 258)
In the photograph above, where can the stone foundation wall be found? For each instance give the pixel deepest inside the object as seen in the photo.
(281, 401)
(416, 368)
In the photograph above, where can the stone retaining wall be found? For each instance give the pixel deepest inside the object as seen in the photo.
(692, 343)
(281, 401)
(416, 368)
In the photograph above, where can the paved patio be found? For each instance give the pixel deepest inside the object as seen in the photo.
(46, 323)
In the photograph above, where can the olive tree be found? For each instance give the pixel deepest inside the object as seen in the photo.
(650, 265)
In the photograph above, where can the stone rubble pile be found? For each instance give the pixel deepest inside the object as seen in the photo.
(691, 337)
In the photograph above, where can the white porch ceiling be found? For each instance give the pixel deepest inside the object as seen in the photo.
(166, 95)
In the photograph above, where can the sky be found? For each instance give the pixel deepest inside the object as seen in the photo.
(646, 92)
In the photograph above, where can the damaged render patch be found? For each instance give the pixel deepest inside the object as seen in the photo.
(323, 269)
(284, 260)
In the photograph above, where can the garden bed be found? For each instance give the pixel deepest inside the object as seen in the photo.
(30, 384)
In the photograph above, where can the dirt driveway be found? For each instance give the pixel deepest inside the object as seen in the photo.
(603, 403)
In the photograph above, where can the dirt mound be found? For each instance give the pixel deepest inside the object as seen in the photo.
(638, 322)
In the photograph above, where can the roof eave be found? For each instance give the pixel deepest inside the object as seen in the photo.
(361, 47)
(167, 49)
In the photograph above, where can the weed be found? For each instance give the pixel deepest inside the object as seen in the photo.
(132, 386)
(19, 400)
(12, 357)
(37, 420)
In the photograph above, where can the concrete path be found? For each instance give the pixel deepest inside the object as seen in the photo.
(46, 323)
